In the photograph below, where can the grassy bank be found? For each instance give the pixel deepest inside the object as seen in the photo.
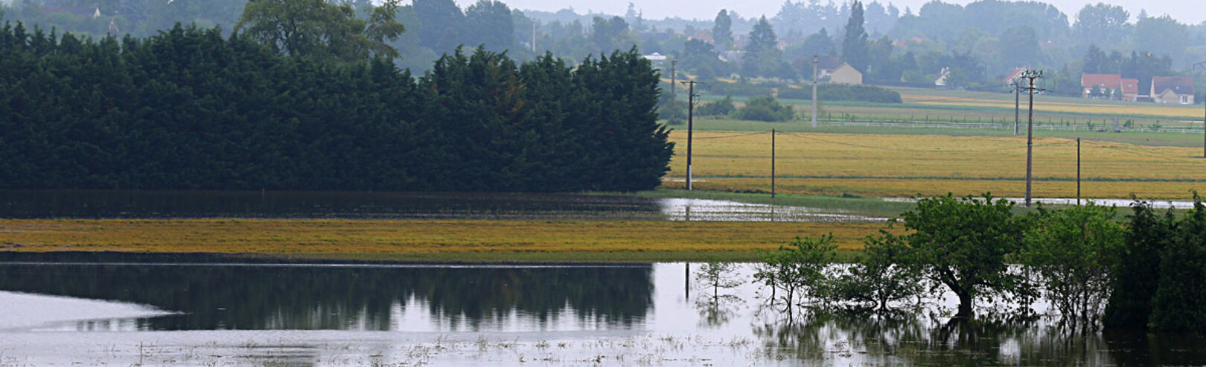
(426, 241)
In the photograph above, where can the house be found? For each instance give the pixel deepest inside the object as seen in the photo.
(846, 74)
(826, 65)
(656, 59)
(1014, 76)
(1172, 89)
(940, 81)
(1130, 90)
(732, 56)
(1107, 85)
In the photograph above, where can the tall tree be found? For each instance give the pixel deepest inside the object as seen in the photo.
(1163, 36)
(1021, 45)
(722, 31)
(762, 37)
(1102, 24)
(854, 45)
(442, 26)
(320, 30)
(490, 23)
(762, 54)
(610, 34)
(1096, 61)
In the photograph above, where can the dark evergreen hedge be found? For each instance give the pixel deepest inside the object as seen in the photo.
(188, 109)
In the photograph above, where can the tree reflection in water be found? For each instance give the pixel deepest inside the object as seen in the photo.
(933, 339)
(352, 298)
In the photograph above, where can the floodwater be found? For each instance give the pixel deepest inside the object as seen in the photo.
(389, 205)
(216, 314)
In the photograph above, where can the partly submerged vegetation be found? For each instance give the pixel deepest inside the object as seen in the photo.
(1093, 270)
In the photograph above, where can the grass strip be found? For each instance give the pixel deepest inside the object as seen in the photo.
(426, 241)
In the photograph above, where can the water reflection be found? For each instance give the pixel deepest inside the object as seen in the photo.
(223, 297)
(294, 204)
(500, 315)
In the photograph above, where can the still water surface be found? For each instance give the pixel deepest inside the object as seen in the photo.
(392, 205)
(332, 315)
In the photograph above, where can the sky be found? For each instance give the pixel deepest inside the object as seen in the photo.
(1185, 11)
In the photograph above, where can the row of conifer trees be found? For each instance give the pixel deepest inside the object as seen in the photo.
(192, 109)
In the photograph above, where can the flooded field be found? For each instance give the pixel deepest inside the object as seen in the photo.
(368, 205)
(644, 315)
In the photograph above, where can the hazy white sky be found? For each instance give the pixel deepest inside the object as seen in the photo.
(1186, 11)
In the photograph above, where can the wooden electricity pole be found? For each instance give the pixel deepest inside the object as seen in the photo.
(690, 125)
(772, 163)
(814, 90)
(1030, 75)
(1017, 96)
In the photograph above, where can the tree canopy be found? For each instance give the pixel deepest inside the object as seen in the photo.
(320, 30)
(189, 109)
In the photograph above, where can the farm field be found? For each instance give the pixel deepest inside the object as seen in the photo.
(949, 106)
(890, 165)
(426, 241)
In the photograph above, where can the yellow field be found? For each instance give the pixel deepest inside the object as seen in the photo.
(1058, 105)
(904, 165)
(402, 240)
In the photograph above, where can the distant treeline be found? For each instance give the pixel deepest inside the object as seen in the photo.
(190, 109)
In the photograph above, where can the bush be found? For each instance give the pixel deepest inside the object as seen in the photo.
(737, 89)
(797, 272)
(673, 110)
(1070, 252)
(843, 92)
(879, 275)
(1180, 301)
(718, 108)
(765, 109)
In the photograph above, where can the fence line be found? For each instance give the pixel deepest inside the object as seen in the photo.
(998, 126)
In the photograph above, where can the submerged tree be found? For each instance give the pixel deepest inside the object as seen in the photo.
(963, 244)
(1071, 252)
(1137, 278)
(717, 275)
(797, 271)
(1179, 304)
(880, 275)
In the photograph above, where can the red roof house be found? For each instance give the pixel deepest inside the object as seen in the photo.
(1130, 90)
(1107, 84)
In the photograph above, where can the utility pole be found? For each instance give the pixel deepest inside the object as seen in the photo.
(690, 125)
(1030, 75)
(772, 165)
(673, 82)
(1017, 96)
(533, 36)
(1078, 171)
(815, 63)
(1203, 66)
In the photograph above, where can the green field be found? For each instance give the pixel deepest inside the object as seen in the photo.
(1061, 116)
